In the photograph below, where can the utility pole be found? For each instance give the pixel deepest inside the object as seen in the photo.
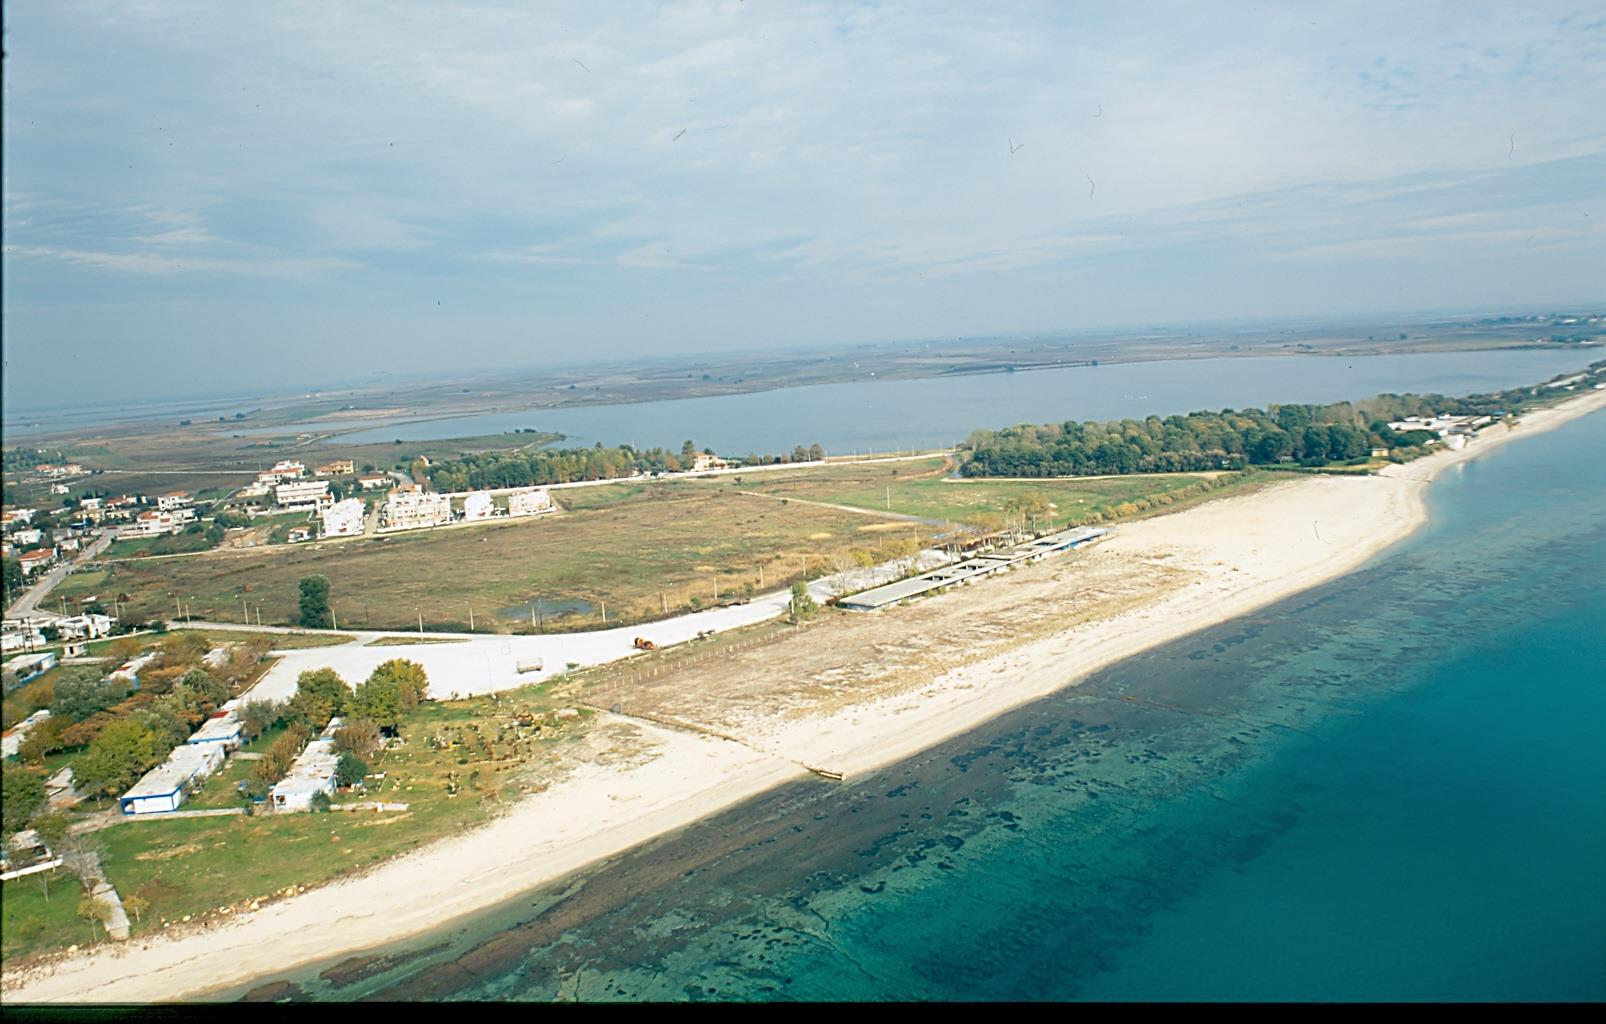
(471, 618)
(245, 611)
(604, 605)
(420, 621)
(664, 600)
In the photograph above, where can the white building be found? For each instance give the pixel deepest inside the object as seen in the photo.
(172, 500)
(373, 483)
(85, 627)
(302, 494)
(33, 561)
(164, 787)
(478, 505)
(59, 488)
(27, 537)
(529, 501)
(415, 510)
(344, 518)
(221, 730)
(154, 524)
(312, 772)
(282, 471)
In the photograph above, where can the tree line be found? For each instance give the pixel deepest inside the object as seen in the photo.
(540, 466)
(1311, 435)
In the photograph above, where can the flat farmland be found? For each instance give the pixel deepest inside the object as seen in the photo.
(924, 488)
(634, 548)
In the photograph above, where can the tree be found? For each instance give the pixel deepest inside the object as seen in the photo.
(320, 695)
(359, 737)
(124, 750)
(350, 770)
(281, 754)
(22, 792)
(80, 693)
(320, 802)
(315, 603)
(803, 606)
(136, 904)
(257, 717)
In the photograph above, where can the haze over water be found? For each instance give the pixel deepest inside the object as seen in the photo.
(1390, 787)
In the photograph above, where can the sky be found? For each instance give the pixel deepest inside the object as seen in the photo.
(223, 197)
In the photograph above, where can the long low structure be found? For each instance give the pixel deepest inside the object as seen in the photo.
(163, 788)
(972, 569)
(313, 772)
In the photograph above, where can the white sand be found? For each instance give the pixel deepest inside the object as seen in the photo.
(1249, 551)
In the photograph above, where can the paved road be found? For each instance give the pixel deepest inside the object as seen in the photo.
(28, 603)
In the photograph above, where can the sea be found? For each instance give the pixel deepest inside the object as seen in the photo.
(1389, 787)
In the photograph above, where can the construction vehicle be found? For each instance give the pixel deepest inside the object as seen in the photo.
(643, 644)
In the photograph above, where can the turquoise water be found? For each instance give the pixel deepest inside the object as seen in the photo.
(936, 412)
(1390, 787)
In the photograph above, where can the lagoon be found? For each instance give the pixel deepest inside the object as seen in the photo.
(938, 412)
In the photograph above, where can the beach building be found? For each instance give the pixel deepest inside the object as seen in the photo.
(529, 501)
(281, 471)
(311, 773)
(302, 494)
(702, 462)
(344, 518)
(164, 787)
(172, 500)
(128, 672)
(27, 538)
(339, 467)
(59, 488)
(374, 483)
(223, 728)
(478, 506)
(415, 510)
(11, 742)
(971, 569)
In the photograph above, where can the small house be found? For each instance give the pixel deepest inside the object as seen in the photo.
(164, 787)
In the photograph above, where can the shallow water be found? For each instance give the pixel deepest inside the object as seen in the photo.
(1389, 787)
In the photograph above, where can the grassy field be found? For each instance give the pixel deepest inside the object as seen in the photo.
(170, 544)
(923, 488)
(619, 546)
(638, 549)
(460, 763)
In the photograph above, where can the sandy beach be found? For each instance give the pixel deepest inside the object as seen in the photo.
(1154, 581)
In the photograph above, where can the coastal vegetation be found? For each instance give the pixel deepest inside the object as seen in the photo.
(1231, 439)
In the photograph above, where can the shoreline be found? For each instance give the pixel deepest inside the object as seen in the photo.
(1242, 553)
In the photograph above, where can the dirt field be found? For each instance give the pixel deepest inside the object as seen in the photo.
(847, 658)
(621, 547)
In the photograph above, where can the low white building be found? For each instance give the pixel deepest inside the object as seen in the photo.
(26, 537)
(155, 524)
(85, 627)
(11, 742)
(172, 500)
(415, 510)
(312, 772)
(164, 787)
(302, 494)
(222, 729)
(374, 483)
(478, 505)
(529, 501)
(344, 518)
(59, 488)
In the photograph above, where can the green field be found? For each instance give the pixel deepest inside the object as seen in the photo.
(462, 762)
